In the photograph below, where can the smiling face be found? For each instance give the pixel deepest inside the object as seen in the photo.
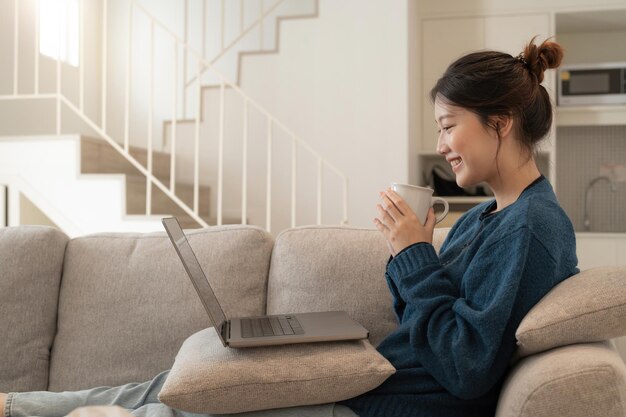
(468, 145)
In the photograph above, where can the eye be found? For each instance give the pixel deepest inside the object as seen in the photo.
(445, 128)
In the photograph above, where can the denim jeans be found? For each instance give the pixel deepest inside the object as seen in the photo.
(140, 400)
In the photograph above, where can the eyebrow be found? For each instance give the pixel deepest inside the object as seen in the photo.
(444, 116)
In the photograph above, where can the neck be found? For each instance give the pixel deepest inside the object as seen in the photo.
(508, 187)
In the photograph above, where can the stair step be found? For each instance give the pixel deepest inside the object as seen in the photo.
(98, 157)
(161, 203)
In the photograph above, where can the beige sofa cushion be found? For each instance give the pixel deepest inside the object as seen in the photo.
(209, 378)
(126, 304)
(31, 258)
(584, 380)
(587, 307)
(318, 268)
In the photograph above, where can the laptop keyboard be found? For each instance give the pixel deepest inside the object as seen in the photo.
(270, 326)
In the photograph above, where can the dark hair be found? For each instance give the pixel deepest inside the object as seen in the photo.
(490, 83)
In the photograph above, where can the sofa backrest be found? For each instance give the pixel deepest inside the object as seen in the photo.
(31, 258)
(126, 304)
(322, 268)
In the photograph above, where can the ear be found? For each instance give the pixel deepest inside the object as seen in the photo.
(503, 124)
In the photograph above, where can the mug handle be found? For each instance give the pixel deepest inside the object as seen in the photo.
(446, 208)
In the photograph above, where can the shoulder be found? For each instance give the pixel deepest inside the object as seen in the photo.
(541, 215)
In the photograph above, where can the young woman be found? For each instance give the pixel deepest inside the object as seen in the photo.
(458, 310)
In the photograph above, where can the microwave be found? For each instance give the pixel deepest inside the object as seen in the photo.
(591, 84)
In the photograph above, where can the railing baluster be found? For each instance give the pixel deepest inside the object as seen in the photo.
(238, 38)
(319, 191)
(241, 16)
(261, 27)
(174, 120)
(36, 87)
(186, 43)
(150, 117)
(148, 169)
(244, 174)
(58, 74)
(16, 45)
(220, 163)
(294, 177)
(128, 79)
(222, 24)
(203, 23)
(196, 166)
(268, 204)
(105, 32)
(81, 43)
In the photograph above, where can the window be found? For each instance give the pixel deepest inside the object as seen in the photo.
(58, 30)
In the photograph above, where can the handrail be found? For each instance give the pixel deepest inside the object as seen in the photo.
(253, 25)
(224, 80)
(151, 178)
(123, 147)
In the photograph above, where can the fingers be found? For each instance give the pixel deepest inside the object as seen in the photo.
(390, 206)
(380, 226)
(384, 216)
(398, 202)
(430, 219)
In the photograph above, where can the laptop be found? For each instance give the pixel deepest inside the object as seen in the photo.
(260, 330)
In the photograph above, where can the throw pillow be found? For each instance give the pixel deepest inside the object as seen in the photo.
(208, 378)
(587, 307)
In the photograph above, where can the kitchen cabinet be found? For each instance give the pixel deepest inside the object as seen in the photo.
(600, 249)
(592, 37)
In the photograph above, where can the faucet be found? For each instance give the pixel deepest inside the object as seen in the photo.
(586, 222)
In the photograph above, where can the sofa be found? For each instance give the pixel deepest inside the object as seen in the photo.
(108, 309)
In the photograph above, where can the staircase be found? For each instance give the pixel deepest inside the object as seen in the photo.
(213, 163)
(97, 157)
(47, 171)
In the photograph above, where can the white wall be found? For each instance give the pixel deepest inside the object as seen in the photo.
(340, 82)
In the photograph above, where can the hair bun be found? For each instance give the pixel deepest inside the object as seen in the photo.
(540, 58)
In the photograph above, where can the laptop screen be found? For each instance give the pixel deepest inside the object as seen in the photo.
(194, 270)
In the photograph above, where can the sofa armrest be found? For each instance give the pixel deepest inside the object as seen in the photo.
(582, 380)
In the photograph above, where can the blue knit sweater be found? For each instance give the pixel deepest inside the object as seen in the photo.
(458, 311)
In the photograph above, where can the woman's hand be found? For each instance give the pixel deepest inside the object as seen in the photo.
(399, 224)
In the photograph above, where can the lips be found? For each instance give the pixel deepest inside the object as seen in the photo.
(456, 163)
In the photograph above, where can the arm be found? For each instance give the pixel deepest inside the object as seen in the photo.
(465, 337)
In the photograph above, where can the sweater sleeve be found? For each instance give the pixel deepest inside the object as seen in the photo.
(465, 336)
(398, 302)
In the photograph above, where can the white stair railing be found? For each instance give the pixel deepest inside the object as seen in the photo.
(122, 146)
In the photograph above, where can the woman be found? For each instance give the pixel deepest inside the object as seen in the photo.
(458, 311)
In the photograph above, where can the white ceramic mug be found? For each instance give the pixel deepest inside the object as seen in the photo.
(420, 199)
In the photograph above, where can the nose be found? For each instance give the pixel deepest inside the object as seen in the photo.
(442, 146)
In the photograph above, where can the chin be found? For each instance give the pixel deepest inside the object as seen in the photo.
(466, 183)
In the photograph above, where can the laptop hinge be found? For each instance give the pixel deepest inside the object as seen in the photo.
(226, 330)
